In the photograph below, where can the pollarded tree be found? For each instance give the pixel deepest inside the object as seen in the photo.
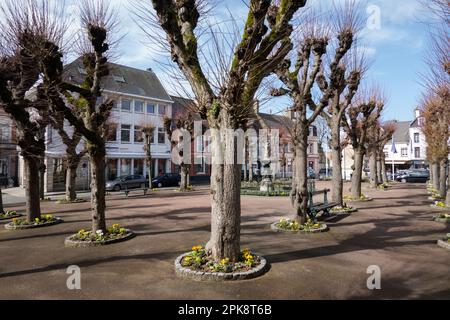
(378, 135)
(185, 129)
(436, 113)
(71, 139)
(313, 43)
(264, 43)
(27, 28)
(360, 116)
(148, 132)
(91, 117)
(343, 78)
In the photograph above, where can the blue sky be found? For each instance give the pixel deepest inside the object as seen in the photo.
(397, 48)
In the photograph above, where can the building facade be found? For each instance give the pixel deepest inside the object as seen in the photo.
(8, 151)
(140, 100)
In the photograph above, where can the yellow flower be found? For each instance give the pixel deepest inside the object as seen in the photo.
(224, 261)
(37, 220)
(115, 226)
(197, 248)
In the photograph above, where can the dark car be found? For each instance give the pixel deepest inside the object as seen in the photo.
(166, 180)
(311, 173)
(126, 182)
(325, 174)
(414, 176)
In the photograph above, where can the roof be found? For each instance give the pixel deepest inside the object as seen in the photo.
(401, 134)
(122, 79)
(181, 106)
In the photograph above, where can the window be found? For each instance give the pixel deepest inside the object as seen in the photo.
(120, 79)
(111, 135)
(111, 169)
(125, 167)
(199, 168)
(404, 152)
(161, 110)
(138, 106)
(199, 144)
(161, 136)
(150, 108)
(126, 105)
(4, 133)
(138, 136)
(416, 137)
(125, 133)
(417, 152)
(138, 167)
(114, 107)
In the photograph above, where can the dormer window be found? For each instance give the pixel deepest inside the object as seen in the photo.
(82, 71)
(120, 79)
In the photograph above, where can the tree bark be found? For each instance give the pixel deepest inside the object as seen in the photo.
(299, 192)
(373, 170)
(98, 203)
(384, 176)
(435, 168)
(71, 178)
(447, 197)
(42, 169)
(250, 169)
(337, 183)
(357, 173)
(443, 178)
(225, 205)
(184, 172)
(32, 205)
(2, 210)
(379, 169)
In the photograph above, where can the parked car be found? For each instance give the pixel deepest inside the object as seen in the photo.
(323, 173)
(414, 176)
(126, 182)
(166, 180)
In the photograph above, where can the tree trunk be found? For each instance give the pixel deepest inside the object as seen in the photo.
(71, 178)
(435, 168)
(245, 171)
(42, 169)
(184, 172)
(337, 181)
(373, 170)
(250, 169)
(32, 205)
(447, 198)
(299, 192)
(431, 181)
(443, 178)
(379, 169)
(357, 173)
(2, 210)
(384, 176)
(225, 202)
(98, 204)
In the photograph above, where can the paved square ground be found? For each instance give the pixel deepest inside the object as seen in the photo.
(394, 231)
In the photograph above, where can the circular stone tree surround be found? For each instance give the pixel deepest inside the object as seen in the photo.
(444, 244)
(12, 226)
(323, 228)
(187, 273)
(71, 243)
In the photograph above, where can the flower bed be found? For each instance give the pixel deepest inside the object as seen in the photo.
(383, 186)
(342, 210)
(9, 215)
(443, 217)
(188, 189)
(440, 205)
(88, 238)
(286, 225)
(445, 243)
(44, 221)
(250, 192)
(65, 201)
(199, 265)
(363, 198)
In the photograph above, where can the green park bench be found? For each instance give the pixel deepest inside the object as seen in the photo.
(315, 208)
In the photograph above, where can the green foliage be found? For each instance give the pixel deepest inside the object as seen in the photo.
(215, 109)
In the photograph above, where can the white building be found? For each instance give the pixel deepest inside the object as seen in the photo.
(410, 144)
(140, 99)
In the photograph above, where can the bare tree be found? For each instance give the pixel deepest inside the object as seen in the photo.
(343, 78)
(298, 84)
(436, 112)
(92, 120)
(148, 131)
(377, 137)
(27, 29)
(263, 45)
(360, 116)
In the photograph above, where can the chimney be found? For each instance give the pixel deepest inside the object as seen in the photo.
(417, 113)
